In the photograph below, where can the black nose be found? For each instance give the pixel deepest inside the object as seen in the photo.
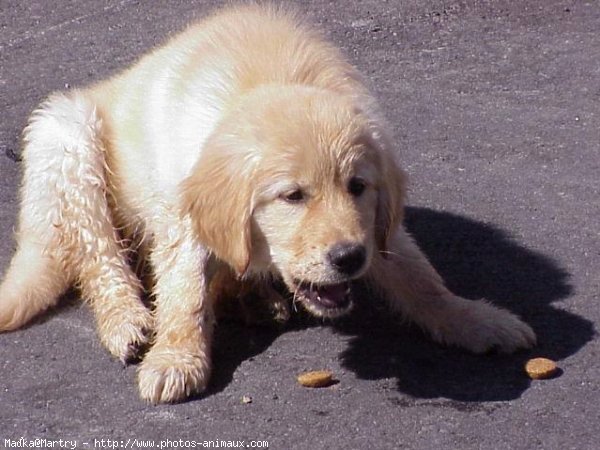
(347, 258)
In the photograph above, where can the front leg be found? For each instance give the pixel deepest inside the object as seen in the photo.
(412, 286)
(178, 365)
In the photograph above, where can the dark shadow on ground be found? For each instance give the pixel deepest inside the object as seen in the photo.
(70, 300)
(234, 343)
(477, 260)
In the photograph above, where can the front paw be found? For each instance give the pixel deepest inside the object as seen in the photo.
(172, 375)
(479, 327)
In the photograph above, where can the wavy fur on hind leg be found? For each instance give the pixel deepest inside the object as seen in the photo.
(66, 233)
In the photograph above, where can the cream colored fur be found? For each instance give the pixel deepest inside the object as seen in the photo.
(246, 142)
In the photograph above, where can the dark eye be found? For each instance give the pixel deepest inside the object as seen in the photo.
(356, 186)
(296, 196)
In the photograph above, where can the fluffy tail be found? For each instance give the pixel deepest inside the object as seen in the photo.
(33, 283)
(61, 136)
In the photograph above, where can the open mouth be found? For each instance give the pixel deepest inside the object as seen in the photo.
(328, 300)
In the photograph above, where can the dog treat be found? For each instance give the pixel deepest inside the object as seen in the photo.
(540, 368)
(316, 379)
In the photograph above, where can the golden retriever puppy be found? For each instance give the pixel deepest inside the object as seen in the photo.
(247, 143)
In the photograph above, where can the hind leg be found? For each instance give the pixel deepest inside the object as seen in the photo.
(66, 231)
(111, 287)
(96, 252)
(113, 292)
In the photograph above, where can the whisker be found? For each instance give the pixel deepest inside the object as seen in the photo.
(295, 299)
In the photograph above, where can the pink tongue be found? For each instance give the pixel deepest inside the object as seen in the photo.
(332, 295)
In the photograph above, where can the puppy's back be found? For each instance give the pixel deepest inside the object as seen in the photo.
(247, 46)
(273, 45)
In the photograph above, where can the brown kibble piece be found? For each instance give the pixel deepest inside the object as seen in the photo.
(318, 378)
(540, 368)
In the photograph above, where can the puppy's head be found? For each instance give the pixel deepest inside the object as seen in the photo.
(301, 184)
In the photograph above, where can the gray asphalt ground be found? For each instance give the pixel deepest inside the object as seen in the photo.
(496, 109)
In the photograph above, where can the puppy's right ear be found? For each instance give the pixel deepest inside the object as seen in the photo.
(218, 197)
(390, 203)
(391, 189)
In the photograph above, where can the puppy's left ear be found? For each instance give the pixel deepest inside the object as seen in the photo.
(391, 192)
(218, 198)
